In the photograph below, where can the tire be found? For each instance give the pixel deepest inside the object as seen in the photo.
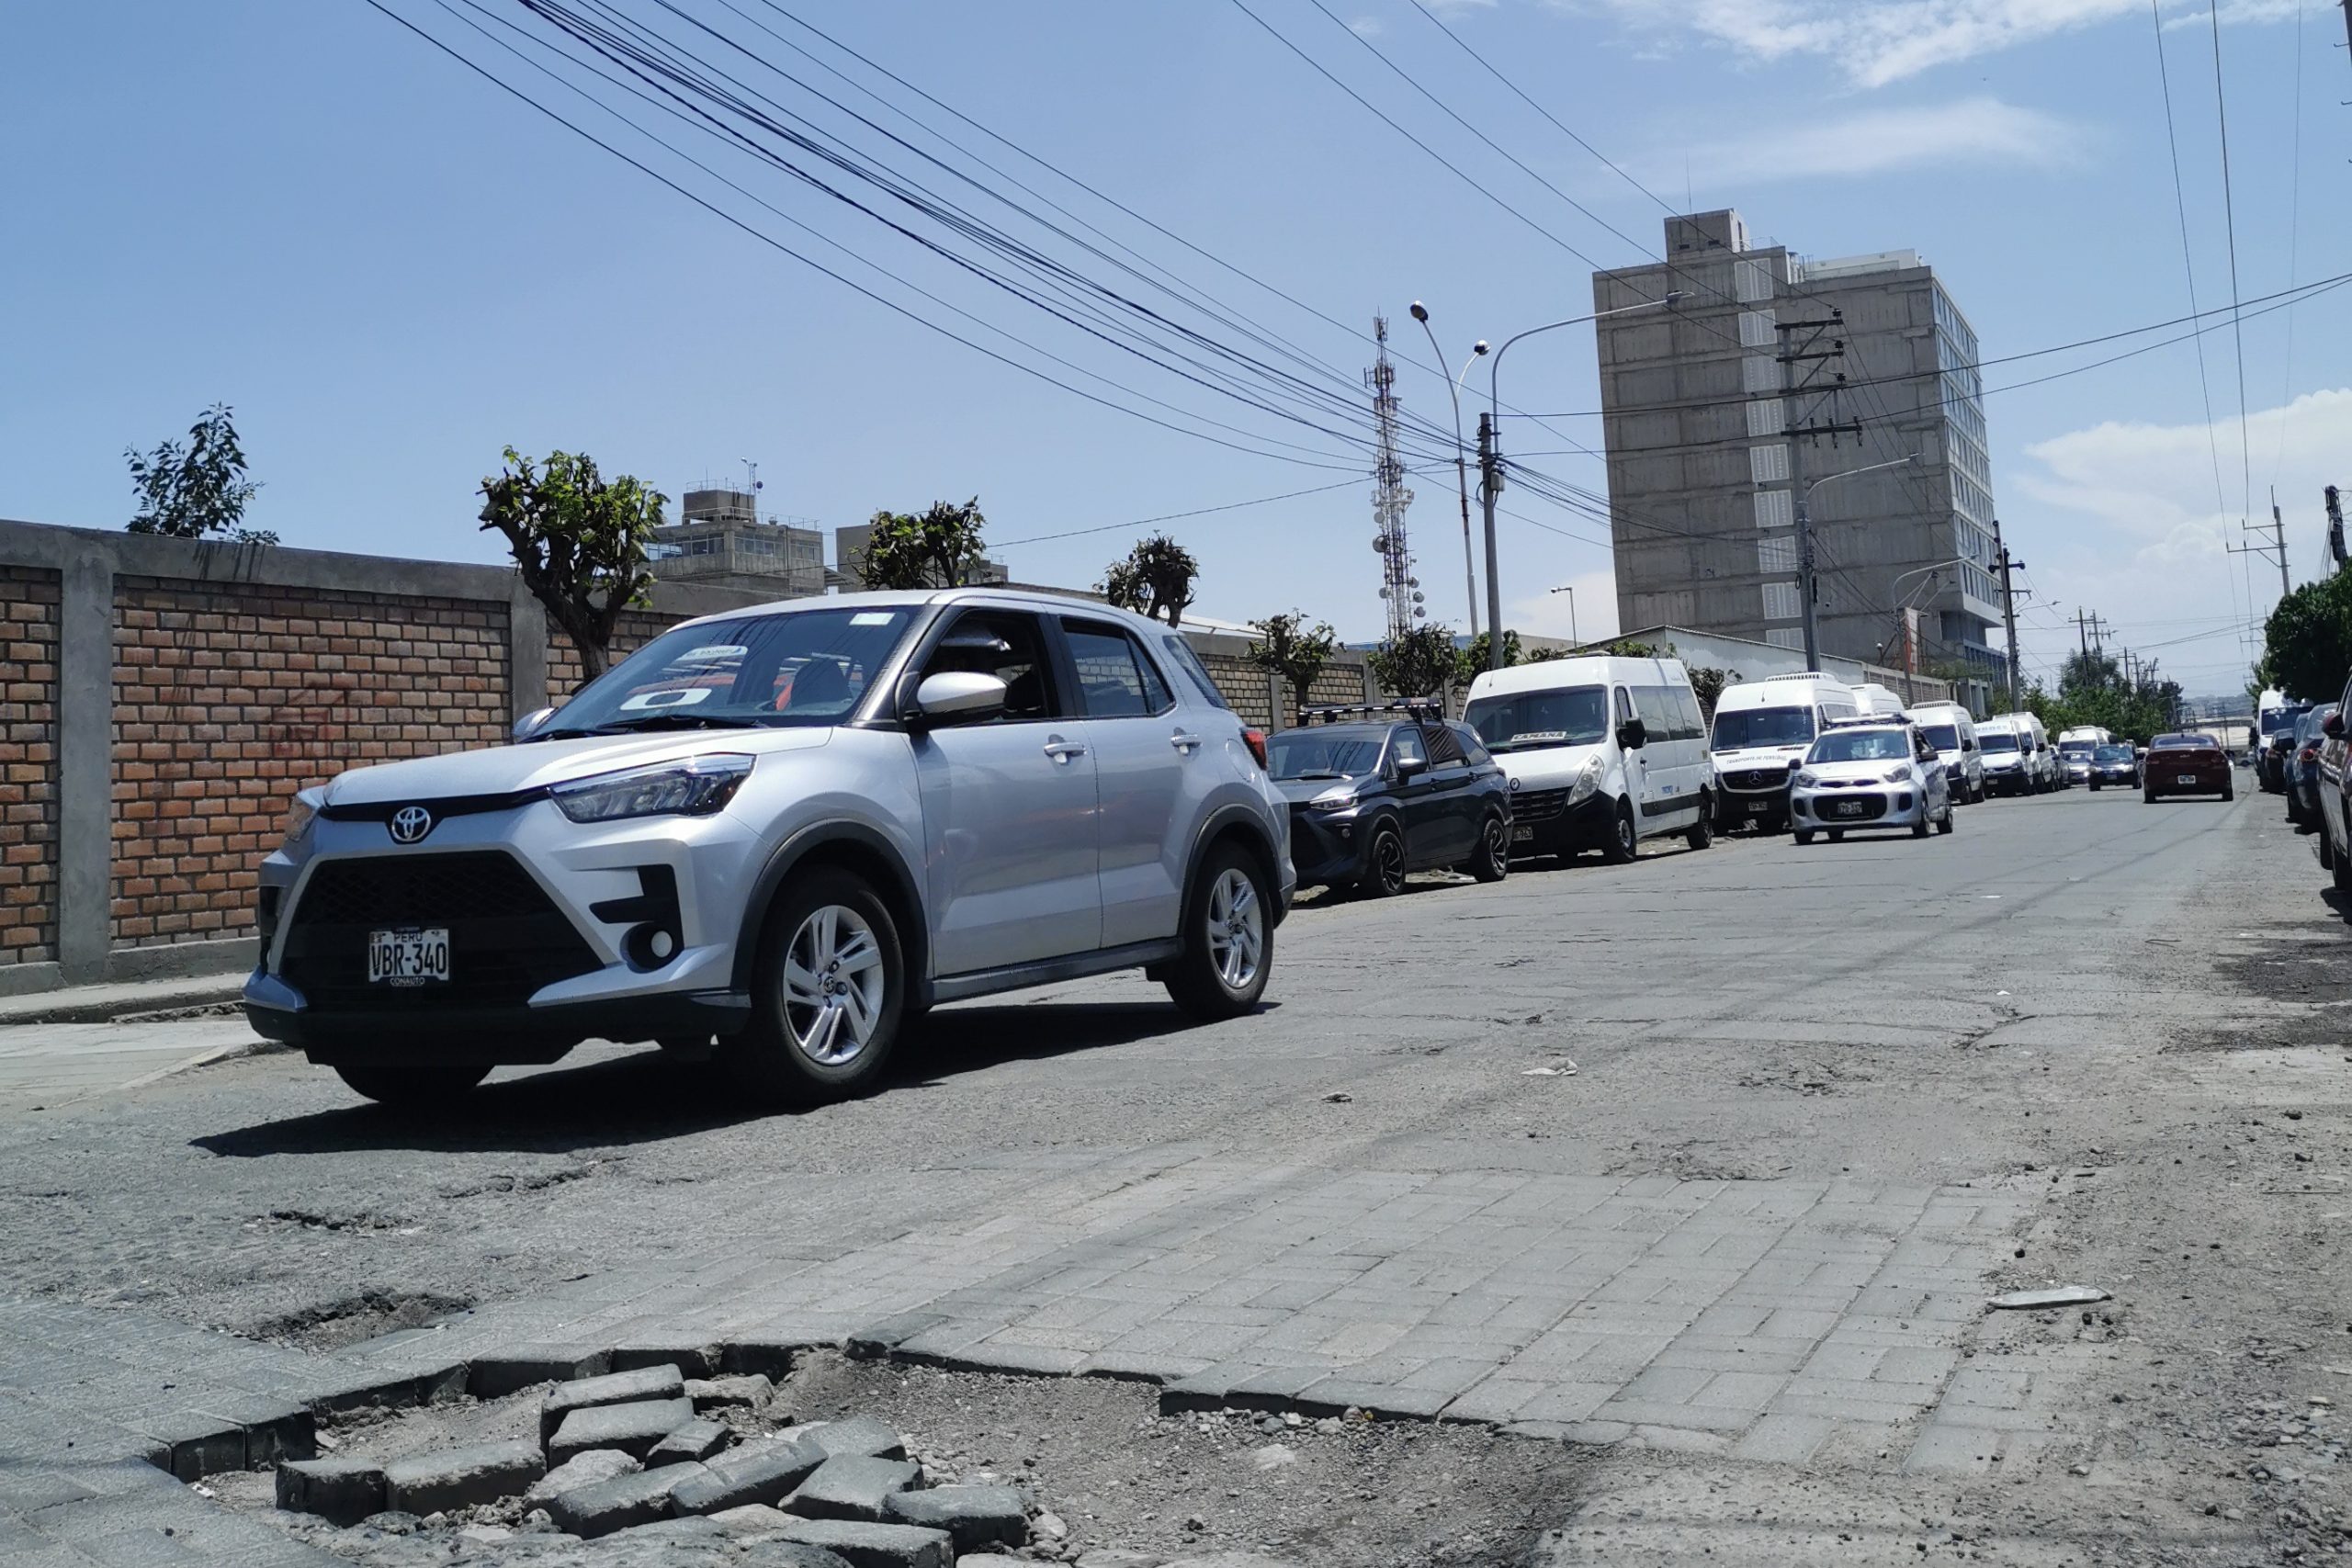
(1919, 830)
(2229, 791)
(412, 1086)
(803, 1045)
(1383, 863)
(1624, 841)
(2341, 871)
(1492, 861)
(1805, 835)
(1228, 938)
(2094, 786)
(2149, 796)
(1837, 835)
(1946, 825)
(2326, 845)
(1978, 792)
(1702, 833)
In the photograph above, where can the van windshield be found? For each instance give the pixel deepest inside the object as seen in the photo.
(2277, 719)
(2076, 748)
(1942, 737)
(1571, 716)
(1995, 740)
(1738, 730)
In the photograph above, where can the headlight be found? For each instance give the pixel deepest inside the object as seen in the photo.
(1588, 780)
(693, 788)
(1807, 781)
(1339, 797)
(302, 813)
(1898, 775)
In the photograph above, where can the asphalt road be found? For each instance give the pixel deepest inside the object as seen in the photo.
(1860, 1085)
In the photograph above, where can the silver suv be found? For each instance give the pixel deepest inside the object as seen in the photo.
(784, 830)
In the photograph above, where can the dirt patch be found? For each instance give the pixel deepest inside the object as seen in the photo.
(330, 1325)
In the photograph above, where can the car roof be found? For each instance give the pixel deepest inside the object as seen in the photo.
(1041, 600)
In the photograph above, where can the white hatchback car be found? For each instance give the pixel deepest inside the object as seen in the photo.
(1871, 773)
(784, 830)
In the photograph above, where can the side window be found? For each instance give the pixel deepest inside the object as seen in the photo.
(1624, 707)
(1686, 710)
(1922, 747)
(1404, 745)
(1474, 750)
(1008, 645)
(1115, 678)
(1190, 667)
(1445, 751)
(1657, 718)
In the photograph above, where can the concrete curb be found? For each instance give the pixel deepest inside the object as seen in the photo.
(109, 1004)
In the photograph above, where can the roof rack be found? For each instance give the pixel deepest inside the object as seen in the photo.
(1420, 710)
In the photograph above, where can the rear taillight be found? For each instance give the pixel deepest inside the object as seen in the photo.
(2311, 753)
(1256, 740)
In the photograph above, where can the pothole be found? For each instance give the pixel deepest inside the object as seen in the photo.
(331, 1325)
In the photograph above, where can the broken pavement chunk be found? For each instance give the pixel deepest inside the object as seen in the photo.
(2064, 1296)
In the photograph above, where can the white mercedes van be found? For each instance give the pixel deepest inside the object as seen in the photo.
(1762, 729)
(1601, 752)
(1950, 728)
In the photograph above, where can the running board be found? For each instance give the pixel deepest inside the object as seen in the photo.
(985, 982)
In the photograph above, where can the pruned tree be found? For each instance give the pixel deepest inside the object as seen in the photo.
(190, 489)
(1474, 657)
(1288, 648)
(940, 548)
(579, 543)
(2307, 642)
(1154, 580)
(1419, 664)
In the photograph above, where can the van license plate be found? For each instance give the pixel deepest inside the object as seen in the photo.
(415, 956)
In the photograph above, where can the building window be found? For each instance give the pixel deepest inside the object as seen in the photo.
(1756, 329)
(1774, 510)
(1777, 554)
(1769, 465)
(1760, 372)
(1785, 637)
(1781, 602)
(1753, 281)
(1767, 416)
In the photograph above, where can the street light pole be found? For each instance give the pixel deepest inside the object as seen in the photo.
(1805, 553)
(1461, 464)
(1570, 590)
(1490, 457)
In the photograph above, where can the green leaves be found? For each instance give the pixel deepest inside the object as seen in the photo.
(1286, 645)
(577, 540)
(186, 492)
(2307, 642)
(1418, 663)
(1157, 576)
(940, 548)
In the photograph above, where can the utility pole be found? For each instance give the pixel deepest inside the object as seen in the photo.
(1490, 485)
(2009, 605)
(2335, 511)
(2274, 550)
(1801, 432)
(2082, 633)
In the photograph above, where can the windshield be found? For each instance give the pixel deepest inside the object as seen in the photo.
(2077, 749)
(2278, 719)
(1325, 754)
(797, 669)
(2115, 754)
(1861, 746)
(1573, 715)
(1942, 737)
(1738, 730)
(1995, 740)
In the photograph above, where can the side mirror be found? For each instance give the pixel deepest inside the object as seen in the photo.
(529, 725)
(1632, 735)
(1411, 768)
(2332, 726)
(956, 696)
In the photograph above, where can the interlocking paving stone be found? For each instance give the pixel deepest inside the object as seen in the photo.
(852, 1487)
(452, 1478)
(663, 1382)
(633, 1428)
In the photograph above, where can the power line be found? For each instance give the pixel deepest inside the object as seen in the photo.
(2230, 222)
(1172, 516)
(2294, 244)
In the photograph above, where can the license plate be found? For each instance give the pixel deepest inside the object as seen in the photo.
(1522, 835)
(411, 957)
(1845, 808)
(2183, 778)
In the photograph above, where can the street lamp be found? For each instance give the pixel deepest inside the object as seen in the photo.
(1804, 551)
(1461, 463)
(1491, 452)
(1570, 588)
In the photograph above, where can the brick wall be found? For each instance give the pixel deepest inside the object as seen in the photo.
(229, 697)
(29, 600)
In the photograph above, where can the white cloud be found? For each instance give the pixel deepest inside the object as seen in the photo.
(1367, 27)
(1878, 42)
(1970, 131)
(1589, 614)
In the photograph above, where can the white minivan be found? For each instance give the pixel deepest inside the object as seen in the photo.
(1601, 752)
(1762, 729)
(1950, 728)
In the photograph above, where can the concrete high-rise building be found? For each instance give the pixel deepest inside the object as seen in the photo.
(719, 540)
(1703, 459)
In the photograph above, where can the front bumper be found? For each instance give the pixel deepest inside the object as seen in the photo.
(1892, 805)
(1759, 795)
(1326, 847)
(1542, 823)
(499, 1036)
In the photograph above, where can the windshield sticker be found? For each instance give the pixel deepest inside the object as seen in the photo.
(872, 619)
(710, 653)
(1539, 735)
(680, 697)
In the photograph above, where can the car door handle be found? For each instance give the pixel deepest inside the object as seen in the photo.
(1063, 750)
(1183, 742)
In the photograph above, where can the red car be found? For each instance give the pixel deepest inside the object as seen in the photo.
(2187, 764)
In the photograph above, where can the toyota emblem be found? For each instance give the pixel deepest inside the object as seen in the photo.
(410, 823)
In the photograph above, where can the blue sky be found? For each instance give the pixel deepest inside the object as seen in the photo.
(392, 269)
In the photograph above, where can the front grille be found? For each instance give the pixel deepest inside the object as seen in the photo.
(506, 937)
(1757, 778)
(1538, 804)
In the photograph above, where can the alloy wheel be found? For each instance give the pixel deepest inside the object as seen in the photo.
(1237, 928)
(1388, 863)
(834, 986)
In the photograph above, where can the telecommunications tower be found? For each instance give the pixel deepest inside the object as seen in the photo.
(1399, 589)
